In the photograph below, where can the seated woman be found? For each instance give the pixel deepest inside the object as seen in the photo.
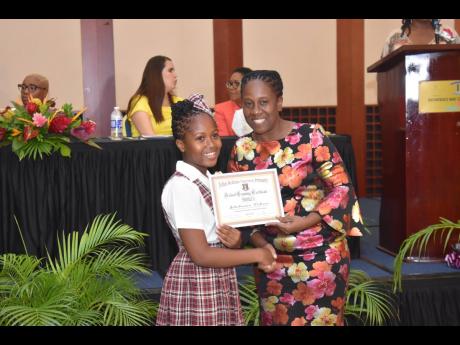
(149, 109)
(225, 111)
(419, 31)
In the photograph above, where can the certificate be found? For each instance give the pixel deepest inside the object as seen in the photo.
(246, 198)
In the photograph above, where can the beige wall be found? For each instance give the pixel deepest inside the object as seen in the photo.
(56, 54)
(189, 43)
(302, 51)
(376, 32)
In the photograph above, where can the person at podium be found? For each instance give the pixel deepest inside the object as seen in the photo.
(419, 32)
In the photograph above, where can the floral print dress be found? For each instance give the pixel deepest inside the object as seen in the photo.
(308, 287)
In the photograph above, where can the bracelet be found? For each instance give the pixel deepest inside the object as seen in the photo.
(254, 231)
(316, 213)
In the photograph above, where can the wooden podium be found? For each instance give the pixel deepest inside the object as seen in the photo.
(420, 151)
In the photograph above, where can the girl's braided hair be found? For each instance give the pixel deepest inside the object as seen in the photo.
(183, 113)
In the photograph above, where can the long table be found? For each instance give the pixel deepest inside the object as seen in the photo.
(56, 194)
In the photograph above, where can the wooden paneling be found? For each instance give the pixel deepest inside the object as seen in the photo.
(324, 115)
(228, 53)
(374, 183)
(350, 90)
(432, 150)
(391, 92)
(98, 71)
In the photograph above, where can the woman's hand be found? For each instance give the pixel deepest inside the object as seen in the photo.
(271, 249)
(267, 262)
(230, 237)
(271, 267)
(291, 224)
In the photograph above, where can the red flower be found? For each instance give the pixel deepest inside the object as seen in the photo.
(2, 133)
(84, 131)
(29, 133)
(59, 124)
(31, 108)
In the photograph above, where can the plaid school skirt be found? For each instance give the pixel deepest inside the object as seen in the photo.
(199, 296)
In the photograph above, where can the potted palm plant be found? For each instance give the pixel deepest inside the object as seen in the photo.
(89, 282)
(418, 241)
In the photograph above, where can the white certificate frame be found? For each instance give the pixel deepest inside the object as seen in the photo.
(232, 200)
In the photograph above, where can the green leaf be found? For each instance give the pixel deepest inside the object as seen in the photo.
(249, 300)
(90, 142)
(88, 284)
(419, 240)
(17, 144)
(65, 151)
(370, 301)
(67, 109)
(43, 108)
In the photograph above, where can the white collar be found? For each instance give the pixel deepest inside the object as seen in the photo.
(192, 173)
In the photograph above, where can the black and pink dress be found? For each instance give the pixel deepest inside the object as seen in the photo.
(308, 287)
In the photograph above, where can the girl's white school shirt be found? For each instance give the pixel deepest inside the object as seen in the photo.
(184, 204)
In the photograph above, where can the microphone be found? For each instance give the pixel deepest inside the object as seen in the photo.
(436, 23)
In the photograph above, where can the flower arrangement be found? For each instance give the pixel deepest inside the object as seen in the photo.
(39, 129)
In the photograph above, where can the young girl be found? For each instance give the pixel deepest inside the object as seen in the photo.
(200, 287)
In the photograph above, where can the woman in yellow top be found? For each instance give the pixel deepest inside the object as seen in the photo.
(149, 109)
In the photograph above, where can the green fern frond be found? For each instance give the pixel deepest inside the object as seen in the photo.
(49, 303)
(419, 240)
(118, 259)
(369, 298)
(249, 300)
(119, 312)
(98, 288)
(103, 231)
(34, 148)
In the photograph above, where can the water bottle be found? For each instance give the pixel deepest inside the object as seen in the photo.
(115, 124)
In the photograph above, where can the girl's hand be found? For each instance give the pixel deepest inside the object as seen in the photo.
(230, 237)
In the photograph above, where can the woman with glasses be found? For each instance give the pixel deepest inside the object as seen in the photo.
(149, 109)
(34, 85)
(225, 111)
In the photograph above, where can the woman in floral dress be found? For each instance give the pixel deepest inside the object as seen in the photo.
(321, 209)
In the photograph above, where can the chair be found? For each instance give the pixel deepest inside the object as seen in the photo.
(126, 125)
